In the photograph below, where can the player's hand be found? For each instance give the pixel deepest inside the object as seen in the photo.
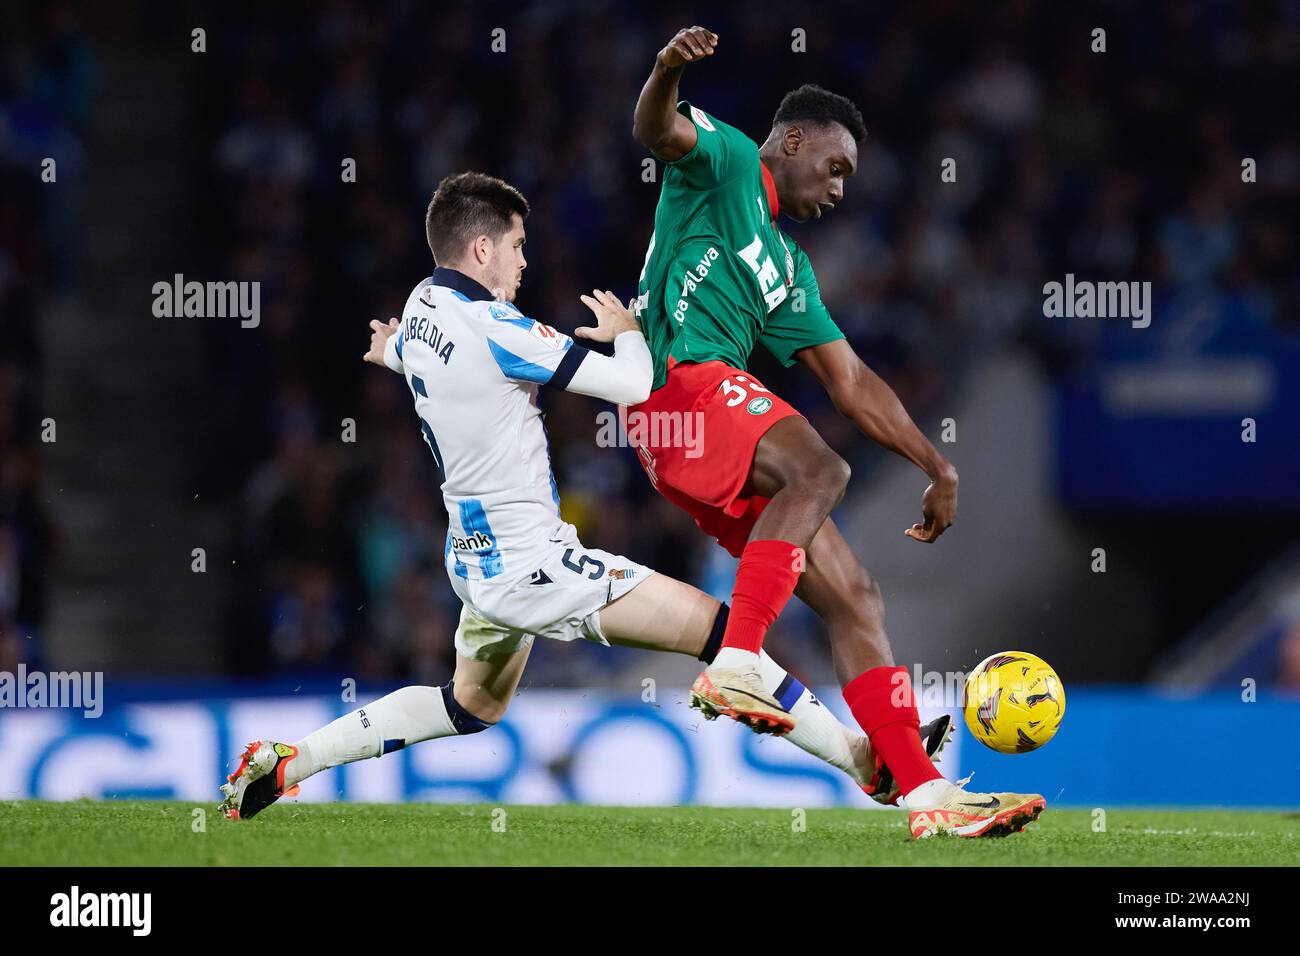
(689, 45)
(379, 335)
(612, 317)
(938, 508)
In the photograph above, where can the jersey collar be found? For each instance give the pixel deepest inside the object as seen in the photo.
(770, 185)
(462, 283)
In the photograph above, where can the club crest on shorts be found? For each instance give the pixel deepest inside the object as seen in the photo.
(757, 406)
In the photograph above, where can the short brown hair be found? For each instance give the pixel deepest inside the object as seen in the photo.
(466, 206)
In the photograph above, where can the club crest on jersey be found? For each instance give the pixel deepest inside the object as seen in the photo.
(701, 120)
(758, 406)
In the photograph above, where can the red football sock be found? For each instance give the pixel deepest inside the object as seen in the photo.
(884, 704)
(765, 580)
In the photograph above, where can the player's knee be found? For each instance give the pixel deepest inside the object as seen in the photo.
(839, 476)
(822, 475)
(827, 477)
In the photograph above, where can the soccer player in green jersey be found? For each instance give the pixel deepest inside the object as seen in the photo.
(719, 276)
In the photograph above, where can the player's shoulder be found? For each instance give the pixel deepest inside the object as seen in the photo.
(704, 119)
(503, 312)
(422, 293)
(501, 316)
(713, 124)
(495, 316)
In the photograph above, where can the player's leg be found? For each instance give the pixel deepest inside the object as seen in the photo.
(797, 480)
(751, 458)
(665, 614)
(838, 588)
(660, 614)
(803, 479)
(881, 697)
(748, 434)
(474, 700)
(848, 600)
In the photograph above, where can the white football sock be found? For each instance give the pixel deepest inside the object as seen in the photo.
(735, 657)
(413, 714)
(928, 795)
(815, 729)
(404, 717)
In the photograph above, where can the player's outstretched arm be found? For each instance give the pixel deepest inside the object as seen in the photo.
(863, 397)
(656, 124)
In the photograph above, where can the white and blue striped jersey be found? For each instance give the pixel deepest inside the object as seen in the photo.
(473, 366)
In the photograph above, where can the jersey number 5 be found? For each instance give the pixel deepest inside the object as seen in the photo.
(596, 565)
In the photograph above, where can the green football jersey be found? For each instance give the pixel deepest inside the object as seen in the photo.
(719, 274)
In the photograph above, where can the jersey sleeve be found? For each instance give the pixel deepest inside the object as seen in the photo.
(530, 351)
(802, 320)
(393, 354)
(721, 152)
(623, 378)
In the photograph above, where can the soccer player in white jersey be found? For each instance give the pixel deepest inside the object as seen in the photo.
(474, 364)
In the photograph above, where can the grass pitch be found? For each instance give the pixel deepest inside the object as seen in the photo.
(133, 833)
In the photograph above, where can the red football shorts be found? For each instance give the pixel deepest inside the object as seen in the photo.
(696, 437)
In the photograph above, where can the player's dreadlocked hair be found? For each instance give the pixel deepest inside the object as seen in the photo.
(814, 104)
(466, 206)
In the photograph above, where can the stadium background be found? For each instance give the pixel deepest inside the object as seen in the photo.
(322, 557)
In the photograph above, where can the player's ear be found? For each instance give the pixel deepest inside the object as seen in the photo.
(792, 140)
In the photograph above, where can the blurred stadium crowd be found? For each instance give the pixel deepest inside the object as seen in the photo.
(1069, 160)
(45, 91)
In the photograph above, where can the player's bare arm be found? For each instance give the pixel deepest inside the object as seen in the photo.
(863, 397)
(657, 125)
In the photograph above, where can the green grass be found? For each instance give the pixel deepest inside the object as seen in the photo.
(160, 833)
